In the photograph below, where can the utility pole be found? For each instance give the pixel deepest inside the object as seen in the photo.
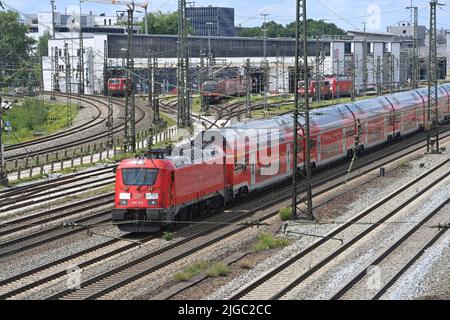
(392, 72)
(378, 76)
(301, 131)
(105, 68)
(110, 123)
(155, 93)
(353, 71)
(201, 84)
(81, 65)
(183, 92)
(365, 60)
(68, 81)
(56, 69)
(248, 87)
(129, 137)
(3, 173)
(265, 63)
(415, 49)
(52, 4)
(318, 78)
(433, 114)
(52, 74)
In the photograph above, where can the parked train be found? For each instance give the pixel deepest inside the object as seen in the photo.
(116, 86)
(152, 192)
(330, 87)
(215, 90)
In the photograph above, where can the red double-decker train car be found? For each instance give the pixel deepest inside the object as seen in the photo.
(157, 190)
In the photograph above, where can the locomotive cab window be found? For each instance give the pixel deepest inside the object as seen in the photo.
(139, 176)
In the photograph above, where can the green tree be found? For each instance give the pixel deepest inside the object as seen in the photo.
(164, 23)
(43, 44)
(15, 48)
(276, 30)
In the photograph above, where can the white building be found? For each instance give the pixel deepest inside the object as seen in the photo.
(230, 51)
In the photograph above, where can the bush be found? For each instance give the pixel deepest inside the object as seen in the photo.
(246, 263)
(218, 270)
(268, 241)
(168, 236)
(191, 271)
(285, 214)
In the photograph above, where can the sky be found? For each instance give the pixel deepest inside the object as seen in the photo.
(347, 14)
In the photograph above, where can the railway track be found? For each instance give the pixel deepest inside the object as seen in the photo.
(350, 289)
(35, 197)
(7, 194)
(85, 126)
(304, 267)
(282, 194)
(44, 235)
(88, 139)
(109, 281)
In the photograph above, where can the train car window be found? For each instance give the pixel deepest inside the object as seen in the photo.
(139, 176)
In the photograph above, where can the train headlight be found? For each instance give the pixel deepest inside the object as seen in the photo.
(151, 196)
(123, 202)
(124, 196)
(152, 202)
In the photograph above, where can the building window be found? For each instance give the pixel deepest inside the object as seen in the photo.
(348, 48)
(404, 31)
(104, 22)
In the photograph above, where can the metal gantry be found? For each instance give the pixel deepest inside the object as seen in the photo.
(68, 80)
(248, 91)
(301, 132)
(433, 114)
(415, 49)
(183, 91)
(155, 89)
(3, 173)
(129, 139)
(56, 71)
(265, 62)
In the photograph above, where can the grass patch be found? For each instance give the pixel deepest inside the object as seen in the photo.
(191, 271)
(246, 263)
(218, 269)
(268, 241)
(34, 117)
(168, 236)
(285, 214)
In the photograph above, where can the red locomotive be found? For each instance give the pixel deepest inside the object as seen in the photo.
(330, 87)
(116, 86)
(156, 190)
(215, 90)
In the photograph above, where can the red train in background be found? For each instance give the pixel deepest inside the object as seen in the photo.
(116, 86)
(154, 191)
(215, 90)
(330, 87)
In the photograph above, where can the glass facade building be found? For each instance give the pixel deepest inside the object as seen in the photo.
(211, 21)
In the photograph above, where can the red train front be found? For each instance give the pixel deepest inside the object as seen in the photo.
(116, 86)
(152, 192)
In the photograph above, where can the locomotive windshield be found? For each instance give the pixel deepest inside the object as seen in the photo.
(114, 81)
(210, 86)
(139, 176)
